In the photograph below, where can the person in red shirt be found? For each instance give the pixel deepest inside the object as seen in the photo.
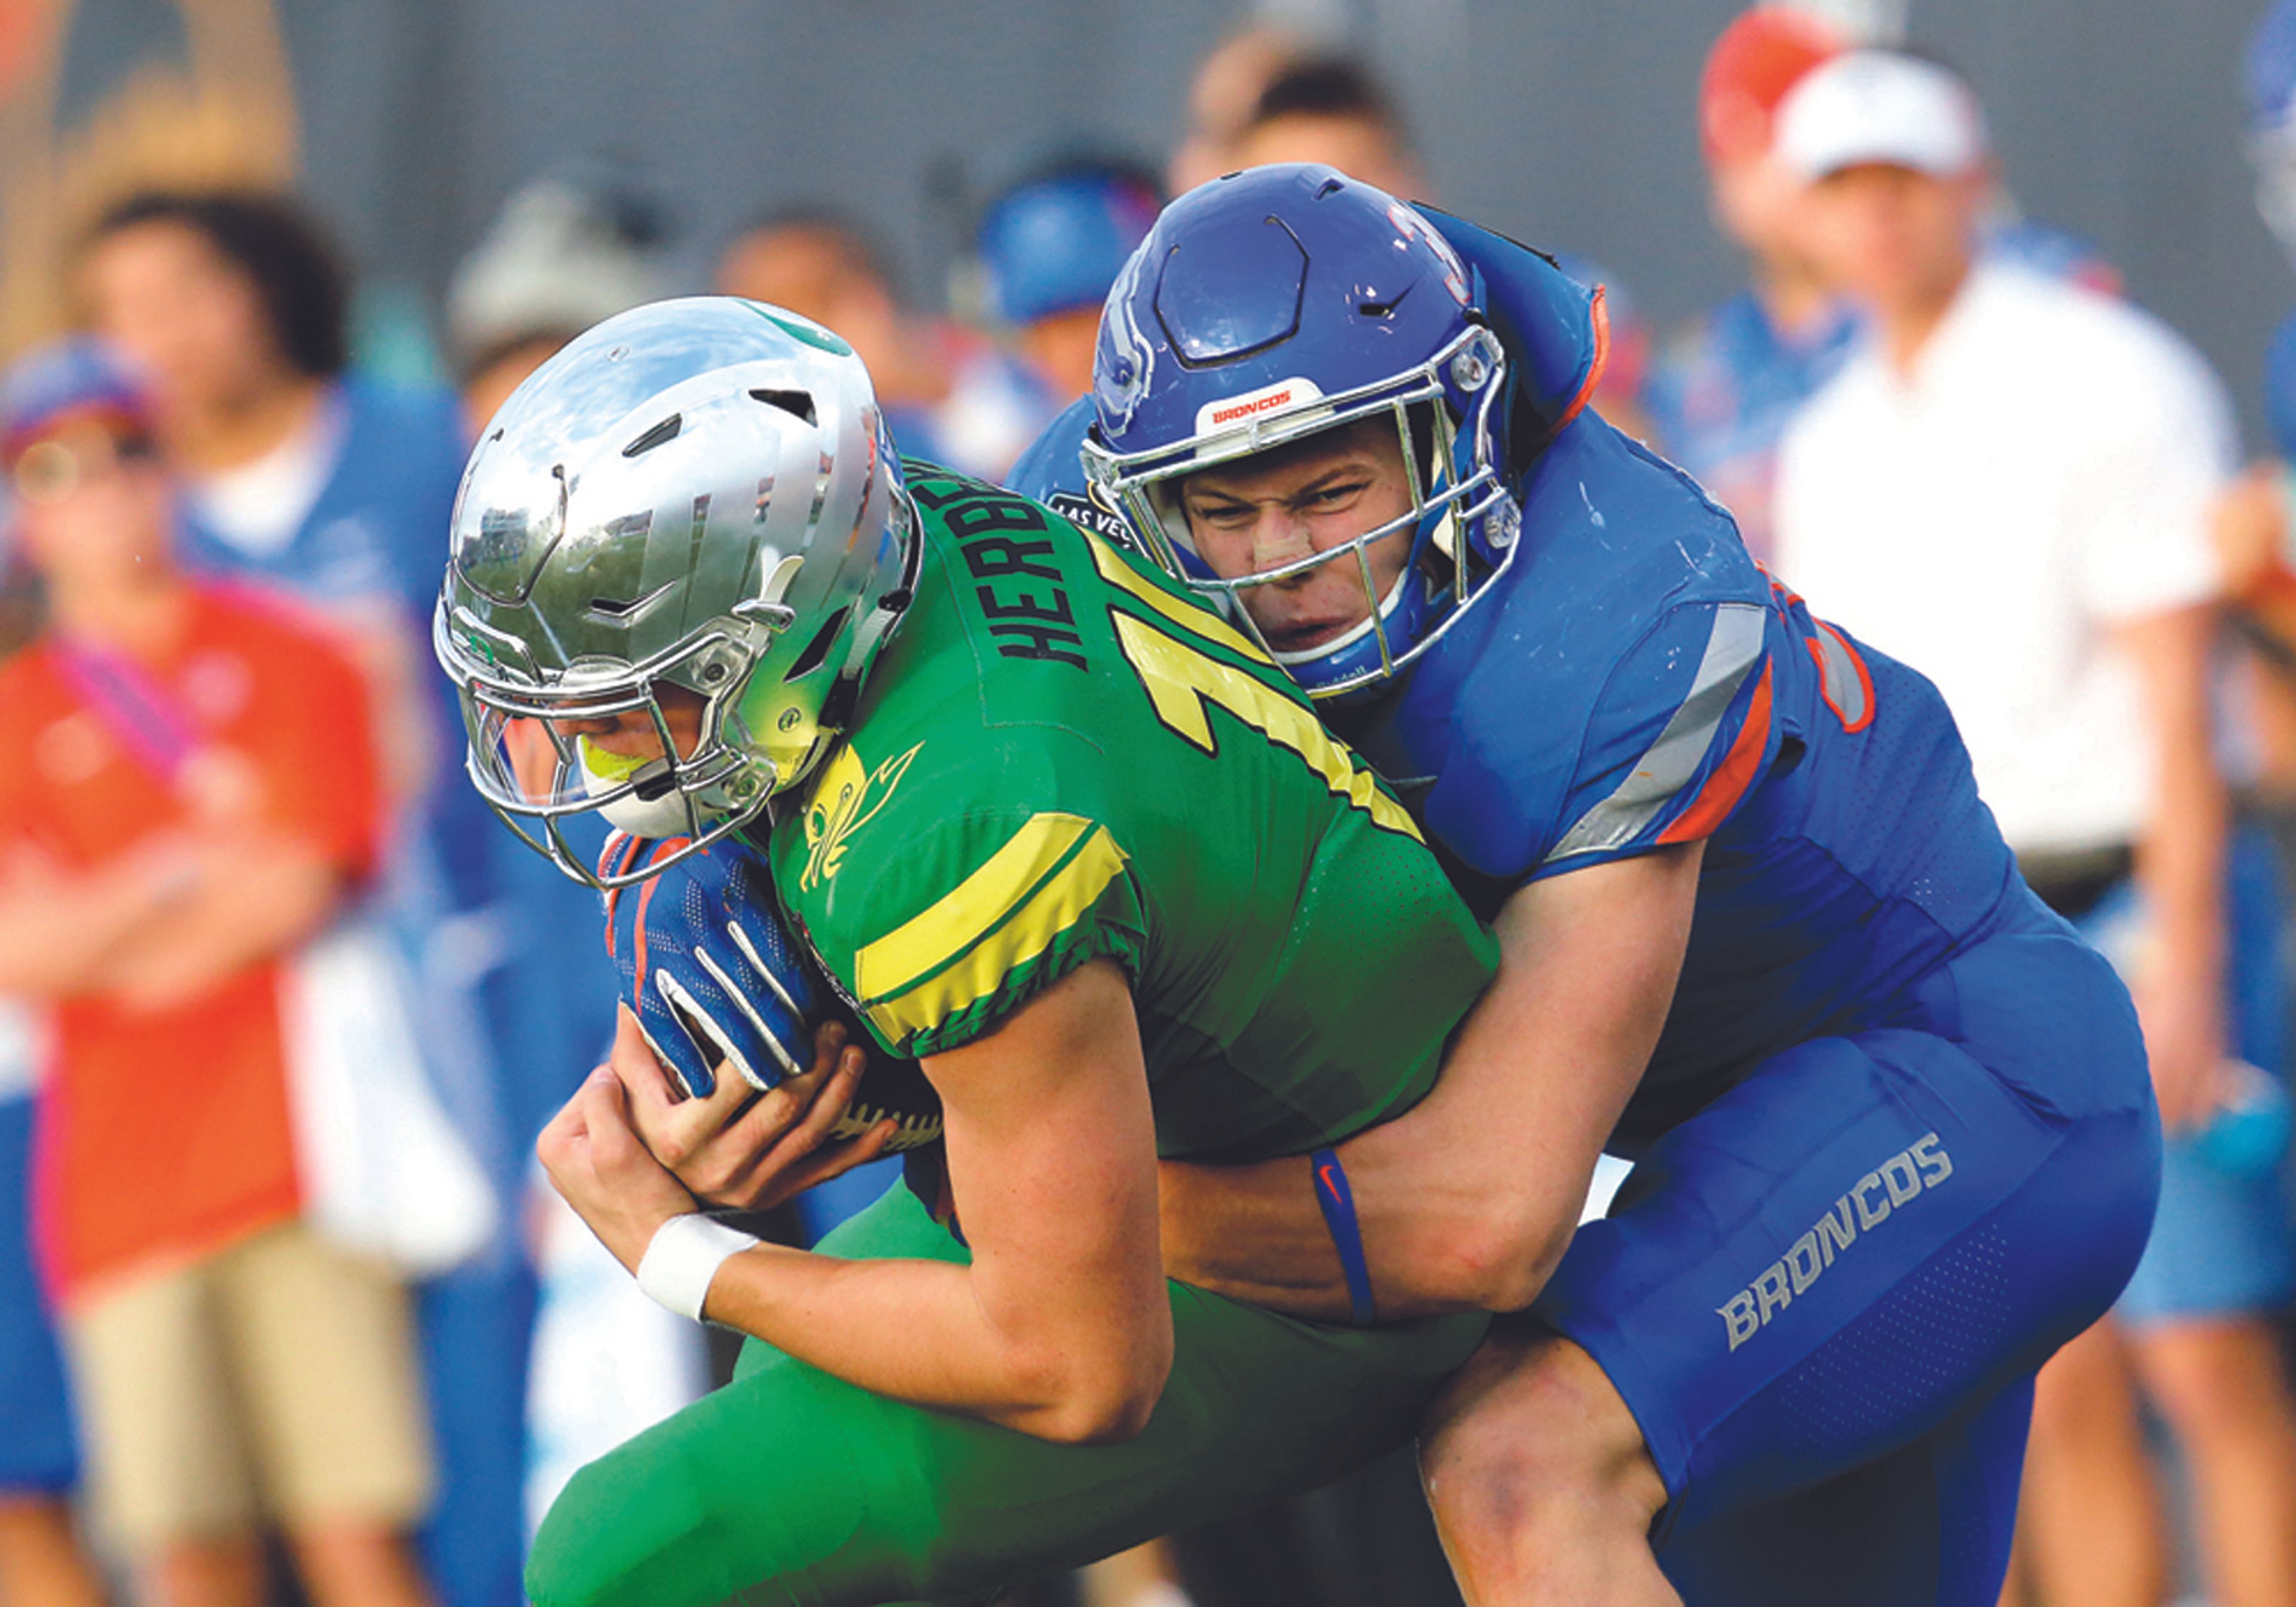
(190, 794)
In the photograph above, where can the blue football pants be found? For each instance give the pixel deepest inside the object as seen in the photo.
(1823, 1297)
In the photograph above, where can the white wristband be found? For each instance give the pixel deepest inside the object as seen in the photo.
(683, 1258)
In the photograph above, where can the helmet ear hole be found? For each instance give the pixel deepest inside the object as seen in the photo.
(817, 650)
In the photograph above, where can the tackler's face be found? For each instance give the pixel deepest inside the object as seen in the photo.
(1286, 507)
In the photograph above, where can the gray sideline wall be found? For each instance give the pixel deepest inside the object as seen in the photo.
(1568, 123)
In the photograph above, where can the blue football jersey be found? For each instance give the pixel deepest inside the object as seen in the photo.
(1634, 680)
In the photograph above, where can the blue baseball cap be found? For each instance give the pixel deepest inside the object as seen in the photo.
(73, 377)
(1052, 244)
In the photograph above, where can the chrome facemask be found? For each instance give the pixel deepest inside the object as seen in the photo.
(535, 773)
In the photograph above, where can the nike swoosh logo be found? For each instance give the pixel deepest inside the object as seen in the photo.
(1323, 1175)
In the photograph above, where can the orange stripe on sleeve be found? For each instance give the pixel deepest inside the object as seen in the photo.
(1732, 776)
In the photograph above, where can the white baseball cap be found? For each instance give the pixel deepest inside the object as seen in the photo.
(1878, 106)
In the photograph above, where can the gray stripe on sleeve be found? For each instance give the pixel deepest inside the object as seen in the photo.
(1844, 688)
(1731, 651)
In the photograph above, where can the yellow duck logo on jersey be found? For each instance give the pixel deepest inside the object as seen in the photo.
(846, 798)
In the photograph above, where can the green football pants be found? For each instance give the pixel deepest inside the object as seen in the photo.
(791, 1488)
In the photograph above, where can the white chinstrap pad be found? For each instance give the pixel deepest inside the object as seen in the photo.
(683, 1258)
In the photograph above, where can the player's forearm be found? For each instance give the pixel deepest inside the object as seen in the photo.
(1442, 1231)
(1451, 1217)
(1253, 1234)
(919, 1331)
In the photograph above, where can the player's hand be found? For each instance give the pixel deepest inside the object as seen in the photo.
(737, 1149)
(714, 975)
(596, 1161)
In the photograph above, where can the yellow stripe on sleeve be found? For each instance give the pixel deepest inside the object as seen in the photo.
(997, 919)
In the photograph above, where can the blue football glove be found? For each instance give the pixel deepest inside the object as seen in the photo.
(715, 976)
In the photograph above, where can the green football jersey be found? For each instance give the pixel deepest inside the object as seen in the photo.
(1062, 756)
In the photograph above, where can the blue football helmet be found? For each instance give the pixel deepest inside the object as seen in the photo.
(1285, 301)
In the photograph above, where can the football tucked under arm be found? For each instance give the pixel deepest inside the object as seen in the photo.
(717, 978)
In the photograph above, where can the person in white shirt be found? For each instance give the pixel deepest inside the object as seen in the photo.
(2007, 487)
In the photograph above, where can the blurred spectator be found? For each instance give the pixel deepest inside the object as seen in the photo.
(2252, 524)
(2007, 487)
(1048, 249)
(2270, 74)
(1722, 394)
(561, 255)
(1221, 99)
(232, 307)
(195, 798)
(1333, 109)
(337, 489)
(820, 263)
(1045, 251)
(40, 1562)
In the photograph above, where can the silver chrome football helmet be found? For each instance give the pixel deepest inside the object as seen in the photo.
(697, 494)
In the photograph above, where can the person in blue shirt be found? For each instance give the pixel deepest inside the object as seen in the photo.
(1893, 1137)
(1047, 247)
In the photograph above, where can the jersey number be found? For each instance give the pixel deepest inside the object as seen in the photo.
(1183, 684)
